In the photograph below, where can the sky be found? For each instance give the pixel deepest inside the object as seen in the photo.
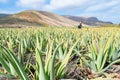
(106, 10)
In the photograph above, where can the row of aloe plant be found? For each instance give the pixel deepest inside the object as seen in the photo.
(44, 54)
(12, 60)
(103, 53)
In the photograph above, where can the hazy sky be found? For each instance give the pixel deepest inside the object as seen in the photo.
(107, 10)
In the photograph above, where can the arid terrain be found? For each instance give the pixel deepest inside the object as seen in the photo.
(32, 18)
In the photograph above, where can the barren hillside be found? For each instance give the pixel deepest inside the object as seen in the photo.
(41, 18)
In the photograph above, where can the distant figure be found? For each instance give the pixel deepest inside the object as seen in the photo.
(80, 25)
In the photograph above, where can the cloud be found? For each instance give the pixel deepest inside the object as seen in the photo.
(104, 9)
(111, 14)
(69, 4)
(55, 4)
(30, 3)
(3, 1)
(86, 5)
(103, 5)
(6, 11)
(115, 10)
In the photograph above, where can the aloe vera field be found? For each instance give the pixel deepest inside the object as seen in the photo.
(60, 53)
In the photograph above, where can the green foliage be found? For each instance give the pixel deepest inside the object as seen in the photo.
(101, 50)
(44, 53)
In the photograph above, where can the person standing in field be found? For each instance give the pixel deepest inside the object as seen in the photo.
(80, 25)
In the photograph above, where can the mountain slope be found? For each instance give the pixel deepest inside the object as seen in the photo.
(3, 15)
(93, 21)
(36, 18)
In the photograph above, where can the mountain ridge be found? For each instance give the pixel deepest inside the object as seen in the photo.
(93, 21)
(2, 15)
(40, 18)
(31, 18)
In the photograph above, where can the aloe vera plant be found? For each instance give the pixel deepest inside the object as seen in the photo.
(99, 53)
(7, 57)
(114, 51)
(41, 72)
(43, 53)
